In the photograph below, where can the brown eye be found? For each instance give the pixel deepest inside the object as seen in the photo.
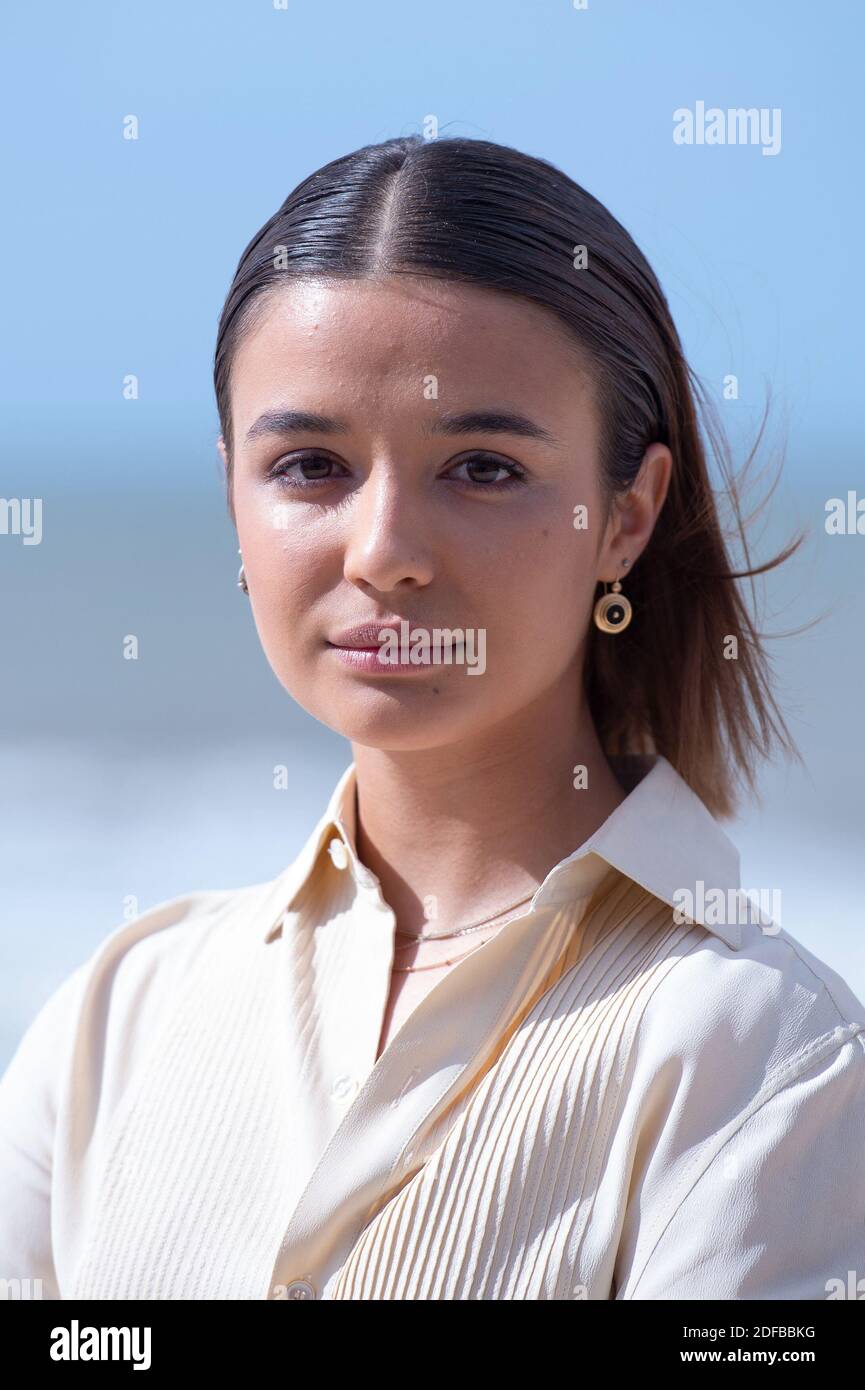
(482, 469)
(305, 471)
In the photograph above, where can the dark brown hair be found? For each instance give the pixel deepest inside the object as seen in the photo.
(470, 210)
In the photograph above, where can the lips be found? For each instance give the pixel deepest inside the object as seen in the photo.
(365, 637)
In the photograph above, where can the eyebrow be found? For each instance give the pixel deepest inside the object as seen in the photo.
(284, 421)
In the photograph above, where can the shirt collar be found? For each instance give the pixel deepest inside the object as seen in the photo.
(661, 836)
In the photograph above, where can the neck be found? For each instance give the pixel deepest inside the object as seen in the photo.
(477, 826)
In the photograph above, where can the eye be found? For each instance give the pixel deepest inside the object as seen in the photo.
(284, 471)
(295, 472)
(490, 463)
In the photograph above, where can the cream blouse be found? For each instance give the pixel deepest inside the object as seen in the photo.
(602, 1101)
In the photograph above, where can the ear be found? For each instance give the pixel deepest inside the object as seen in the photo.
(634, 513)
(223, 453)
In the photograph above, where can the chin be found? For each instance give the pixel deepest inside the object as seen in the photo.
(399, 723)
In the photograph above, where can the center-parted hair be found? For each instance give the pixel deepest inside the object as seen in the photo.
(490, 216)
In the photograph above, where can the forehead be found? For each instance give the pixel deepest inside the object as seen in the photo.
(400, 341)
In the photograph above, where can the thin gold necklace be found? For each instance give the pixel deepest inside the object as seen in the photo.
(413, 937)
(451, 960)
(437, 964)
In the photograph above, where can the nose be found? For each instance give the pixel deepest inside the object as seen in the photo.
(387, 537)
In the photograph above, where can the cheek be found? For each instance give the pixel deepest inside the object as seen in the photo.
(263, 526)
(287, 572)
(545, 597)
(279, 554)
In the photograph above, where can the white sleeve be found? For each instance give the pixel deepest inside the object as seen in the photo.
(29, 1097)
(778, 1212)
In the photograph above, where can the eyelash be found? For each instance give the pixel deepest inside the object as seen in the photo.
(517, 476)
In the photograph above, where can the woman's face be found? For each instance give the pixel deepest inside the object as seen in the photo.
(396, 503)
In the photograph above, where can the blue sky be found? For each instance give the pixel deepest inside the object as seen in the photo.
(119, 252)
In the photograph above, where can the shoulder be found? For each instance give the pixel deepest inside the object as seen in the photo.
(172, 939)
(748, 1114)
(736, 1025)
(757, 1008)
(725, 1030)
(119, 988)
(173, 935)
(82, 1050)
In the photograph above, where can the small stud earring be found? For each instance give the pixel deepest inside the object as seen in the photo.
(241, 577)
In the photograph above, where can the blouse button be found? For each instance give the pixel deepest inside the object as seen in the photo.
(338, 853)
(300, 1288)
(344, 1088)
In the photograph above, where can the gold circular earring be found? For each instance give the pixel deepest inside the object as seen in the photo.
(241, 577)
(613, 611)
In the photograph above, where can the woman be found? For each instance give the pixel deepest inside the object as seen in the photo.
(506, 1028)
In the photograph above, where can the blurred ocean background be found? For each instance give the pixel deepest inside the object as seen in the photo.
(139, 780)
